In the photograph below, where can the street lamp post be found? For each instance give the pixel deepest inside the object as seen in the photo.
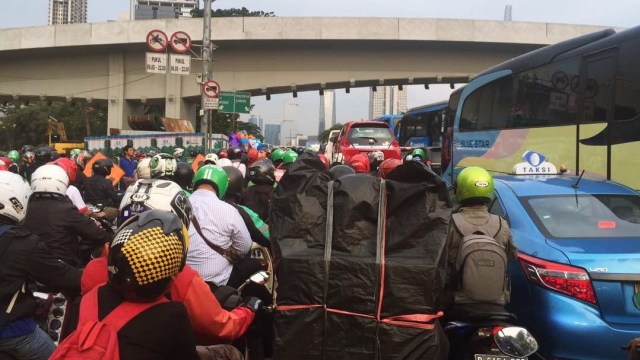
(206, 69)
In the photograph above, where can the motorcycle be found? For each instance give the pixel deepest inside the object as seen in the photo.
(250, 345)
(486, 332)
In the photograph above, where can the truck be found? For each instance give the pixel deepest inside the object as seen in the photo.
(57, 137)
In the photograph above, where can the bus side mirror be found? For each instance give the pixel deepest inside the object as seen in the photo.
(333, 139)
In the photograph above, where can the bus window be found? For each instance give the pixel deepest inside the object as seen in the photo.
(547, 95)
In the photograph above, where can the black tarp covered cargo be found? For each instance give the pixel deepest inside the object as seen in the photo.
(360, 264)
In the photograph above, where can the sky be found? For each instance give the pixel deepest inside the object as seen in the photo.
(355, 106)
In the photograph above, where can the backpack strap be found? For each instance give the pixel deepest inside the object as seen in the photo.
(491, 228)
(117, 318)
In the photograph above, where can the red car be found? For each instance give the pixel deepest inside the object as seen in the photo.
(365, 137)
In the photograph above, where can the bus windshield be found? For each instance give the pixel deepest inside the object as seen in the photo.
(422, 126)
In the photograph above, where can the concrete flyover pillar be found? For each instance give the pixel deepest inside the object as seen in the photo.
(118, 108)
(175, 105)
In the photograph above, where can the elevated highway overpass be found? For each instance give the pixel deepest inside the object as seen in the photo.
(105, 62)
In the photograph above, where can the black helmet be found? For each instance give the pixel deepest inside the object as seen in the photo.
(236, 182)
(26, 148)
(339, 171)
(234, 153)
(183, 175)
(194, 152)
(43, 155)
(102, 167)
(148, 251)
(262, 172)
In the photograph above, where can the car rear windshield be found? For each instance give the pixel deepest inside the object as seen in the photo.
(370, 135)
(586, 216)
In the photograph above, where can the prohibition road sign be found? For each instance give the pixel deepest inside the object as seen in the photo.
(157, 40)
(180, 42)
(211, 89)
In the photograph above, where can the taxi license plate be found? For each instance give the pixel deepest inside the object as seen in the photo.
(496, 357)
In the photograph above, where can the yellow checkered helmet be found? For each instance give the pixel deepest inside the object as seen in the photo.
(148, 251)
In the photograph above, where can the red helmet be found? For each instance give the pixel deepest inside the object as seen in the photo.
(360, 163)
(7, 162)
(223, 154)
(324, 160)
(69, 166)
(3, 166)
(252, 154)
(388, 165)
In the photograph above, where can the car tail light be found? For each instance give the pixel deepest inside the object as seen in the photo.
(345, 143)
(569, 280)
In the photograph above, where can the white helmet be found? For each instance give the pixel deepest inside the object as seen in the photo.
(49, 179)
(177, 152)
(211, 159)
(163, 165)
(14, 196)
(155, 194)
(144, 170)
(224, 162)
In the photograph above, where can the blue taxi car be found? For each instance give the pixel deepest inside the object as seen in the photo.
(576, 283)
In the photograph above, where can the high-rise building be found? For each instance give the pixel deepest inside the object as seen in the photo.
(162, 9)
(387, 100)
(288, 129)
(67, 11)
(327, 111)
(258, 121)
(272, 134)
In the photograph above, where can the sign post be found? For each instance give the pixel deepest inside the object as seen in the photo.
(179, 64)
(211, 91)
(235, 102)
(180, 42)
(157, 40)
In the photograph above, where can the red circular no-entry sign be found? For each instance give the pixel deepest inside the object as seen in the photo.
(157, 40)
(211, 89)
(180, 42)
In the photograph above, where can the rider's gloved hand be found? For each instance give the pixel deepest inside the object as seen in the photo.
(252, 303)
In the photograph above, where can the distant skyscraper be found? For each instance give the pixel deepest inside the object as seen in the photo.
(272, 134)
(288, 129)
(387, 100)
(327, 111)
(67, 11)
(253, 119)
(162, 9)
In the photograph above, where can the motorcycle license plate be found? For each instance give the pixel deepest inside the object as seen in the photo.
(496, 357)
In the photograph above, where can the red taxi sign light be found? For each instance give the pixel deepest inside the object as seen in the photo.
(606, 224)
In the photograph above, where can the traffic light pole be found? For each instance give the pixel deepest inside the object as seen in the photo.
(206, 70)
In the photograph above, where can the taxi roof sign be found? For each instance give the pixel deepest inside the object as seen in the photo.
(534, 164)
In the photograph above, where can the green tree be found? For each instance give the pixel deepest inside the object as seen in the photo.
(323, 137)
(233, 12)
(27, 123)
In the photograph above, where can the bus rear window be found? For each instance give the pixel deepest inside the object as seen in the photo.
(586, 216)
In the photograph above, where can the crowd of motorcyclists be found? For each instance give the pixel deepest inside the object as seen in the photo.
(197, 224)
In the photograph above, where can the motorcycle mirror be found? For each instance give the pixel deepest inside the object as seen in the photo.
(516, 341)
(260, 278)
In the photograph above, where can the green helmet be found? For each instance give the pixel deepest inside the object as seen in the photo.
(289, 157)
(277, 154)
(14, 156)
(214, 176)
(419, 152)
(74, 152)
(475, 183)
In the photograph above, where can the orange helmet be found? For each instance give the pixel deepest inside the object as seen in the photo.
(252, 154)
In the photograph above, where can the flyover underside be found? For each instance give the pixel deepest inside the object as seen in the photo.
(116, 74)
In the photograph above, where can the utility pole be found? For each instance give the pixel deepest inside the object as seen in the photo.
(206, 69)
